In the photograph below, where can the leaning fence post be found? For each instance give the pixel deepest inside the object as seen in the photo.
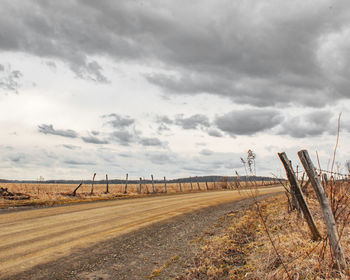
(165, 188)
(75, 190)
(295, 188)
(199, 188)
(92, 184)
(325, 206)
(107, 190)
(206, 184)
(140, 187)
(153, 190)
(289, 171)
(191, 183)
(126, 183)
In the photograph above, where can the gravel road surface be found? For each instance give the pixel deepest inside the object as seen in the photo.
(75, 241)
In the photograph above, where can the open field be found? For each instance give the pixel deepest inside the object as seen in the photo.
(43, 235)
(56, 194)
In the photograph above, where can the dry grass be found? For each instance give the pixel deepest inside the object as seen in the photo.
(243, 250)
(55, 194)
(156, 272)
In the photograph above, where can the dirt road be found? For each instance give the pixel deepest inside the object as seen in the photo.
(33, 237)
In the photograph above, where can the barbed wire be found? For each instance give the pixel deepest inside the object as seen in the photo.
(298, 171)
(325, 171)
(329, 172)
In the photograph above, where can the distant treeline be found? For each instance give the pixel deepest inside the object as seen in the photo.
(148, 181)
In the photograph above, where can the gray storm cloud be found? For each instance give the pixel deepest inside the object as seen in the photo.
(192, 122)
(49, 129)
(151, 141)
(214, 132)
(248, 122)
(94, 140)
(119, 121)
(71, 147)
(123, 137)
(75, 162)
(10, 79)
(253, 53)
(195, 121)
(311, 124)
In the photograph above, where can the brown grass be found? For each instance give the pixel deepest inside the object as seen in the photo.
(53, 194)
(243, 250)
(56, 194)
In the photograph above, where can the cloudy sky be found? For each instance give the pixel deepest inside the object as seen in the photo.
(174, 88)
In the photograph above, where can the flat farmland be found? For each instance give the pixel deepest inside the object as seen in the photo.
(56, 194)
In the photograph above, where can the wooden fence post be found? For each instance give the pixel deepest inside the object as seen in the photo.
(75, 190)
(107, 190)
(140, 188)
(214, 185)
(180, 186)
(289, 171)
(92, 184)
(191, 183)
(199, 188)
(206, 184)
(153, 189)
(295, 188)
(126, 183)
(165, 188)
(325, 206)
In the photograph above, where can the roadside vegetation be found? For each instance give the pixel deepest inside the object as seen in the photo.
(243, 249)
(303, 234)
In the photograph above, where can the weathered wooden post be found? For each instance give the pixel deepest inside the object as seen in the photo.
(288, 167)
(206, 184)
(153, 189)
(180, 186)
(126, 183)
(191, 183)
(107, 190)
(75, 190)
(295, 188)
(165, 188)
(92, 184)
(199, 188)
(214, 185)
(325, 206)
(140, 188)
